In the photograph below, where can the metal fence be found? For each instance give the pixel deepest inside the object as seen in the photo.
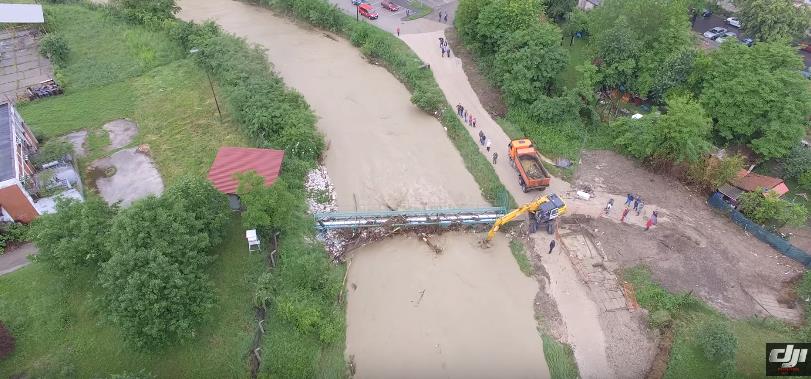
(780, 244)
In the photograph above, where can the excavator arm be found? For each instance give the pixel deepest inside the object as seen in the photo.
(528, 207)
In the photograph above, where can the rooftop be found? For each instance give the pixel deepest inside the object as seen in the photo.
(749, 181)
(234, 160)
(21, 14)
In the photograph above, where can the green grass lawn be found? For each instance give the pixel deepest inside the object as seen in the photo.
(104, 50)
(578, 54)
(687, 359)
(420, 10)
(59, 332)
(559, 358)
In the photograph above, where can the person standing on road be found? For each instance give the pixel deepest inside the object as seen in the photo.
(398, 31)
(481, 137)
(459, 109)
(495, 157)
(639, 209)
(474, 122)
(624, 213)
(637, 199)
(464, 114)
(655, 217)
(487, 144)
(629, 199)
(446, 17)
(649, 223)
(440, 16)
(609, 205)
(551, 246)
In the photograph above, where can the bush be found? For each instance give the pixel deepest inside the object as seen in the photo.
(7, 342)
(796, 163)
(74, 236)
(13, 232)
(266, 208)
(768, 209)
(711, 173)
(717, 341)
(804, 181)
(53, 150)
(660, 319)
(147, 11)
(55, 48)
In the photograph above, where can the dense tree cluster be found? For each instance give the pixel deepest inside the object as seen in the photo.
(773, 20)
(150, 258)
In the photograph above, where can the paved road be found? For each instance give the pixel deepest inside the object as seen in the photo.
(390, 21)
(16, 259)
(703, 24)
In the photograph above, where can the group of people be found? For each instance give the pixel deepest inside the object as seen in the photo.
(441, 19)
(468, 119)
(636, 203)
(444, 48)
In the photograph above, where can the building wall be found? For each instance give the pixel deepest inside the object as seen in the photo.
(25, 144)
(19, 206)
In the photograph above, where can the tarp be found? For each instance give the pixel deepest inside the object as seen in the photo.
(21, 14)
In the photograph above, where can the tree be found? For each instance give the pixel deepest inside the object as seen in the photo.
(756, 96)
(717, 341)
(797, 162)
(498, 20)
(680, 135)
(528, 63)
(207, 206)
(557, 9)
(638, 41)
(269, 208)
(712, 172)
(773, 20)
(152, 298)
(74, 236)
(467, 14)
(768, 209)
(684, 131)
(577, 21)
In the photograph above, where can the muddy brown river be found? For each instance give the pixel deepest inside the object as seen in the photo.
(467, 312)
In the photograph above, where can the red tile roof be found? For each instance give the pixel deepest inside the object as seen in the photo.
(751, 182)
(232, 160)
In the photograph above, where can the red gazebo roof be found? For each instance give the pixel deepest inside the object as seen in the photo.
(233, 160)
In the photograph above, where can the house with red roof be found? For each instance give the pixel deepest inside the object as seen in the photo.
(231, 161)
(747, 181)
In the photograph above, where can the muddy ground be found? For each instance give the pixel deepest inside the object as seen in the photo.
(696, 250)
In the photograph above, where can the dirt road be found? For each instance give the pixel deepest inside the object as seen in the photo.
(386, 153)
(16, 258)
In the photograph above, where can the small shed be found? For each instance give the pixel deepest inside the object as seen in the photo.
(747, 181)
(230, 161)
(21, 14)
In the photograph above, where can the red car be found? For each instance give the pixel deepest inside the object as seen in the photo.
(390, 5)
(367, 11)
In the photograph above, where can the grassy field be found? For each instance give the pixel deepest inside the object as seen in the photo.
(687, 359)
(559, 358)
(420, 10)
(59, 333)
(517, 248)
(103, 50)
(118, 70)
(578, 55)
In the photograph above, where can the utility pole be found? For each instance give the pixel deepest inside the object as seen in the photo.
(211, 84)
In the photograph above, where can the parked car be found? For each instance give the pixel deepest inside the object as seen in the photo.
(726, 36)
(748, 41)
(715, 32)
(358, 2)
(706, 12)
(733, 21)
(389, 5)
(367, 11)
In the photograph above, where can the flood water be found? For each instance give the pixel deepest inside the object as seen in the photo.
(475, 318)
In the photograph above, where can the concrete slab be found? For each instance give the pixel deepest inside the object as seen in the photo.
(17, 258)
(135, 177)
(121, 133)
(78, 140)
(773, 308)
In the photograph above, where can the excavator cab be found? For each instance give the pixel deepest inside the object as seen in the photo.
(543, 211)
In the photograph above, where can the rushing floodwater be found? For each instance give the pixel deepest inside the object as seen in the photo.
(465, 313)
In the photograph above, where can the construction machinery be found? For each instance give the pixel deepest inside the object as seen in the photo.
(542, 212)
(526, 160)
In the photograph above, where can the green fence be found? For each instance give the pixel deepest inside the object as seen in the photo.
(780, 244)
